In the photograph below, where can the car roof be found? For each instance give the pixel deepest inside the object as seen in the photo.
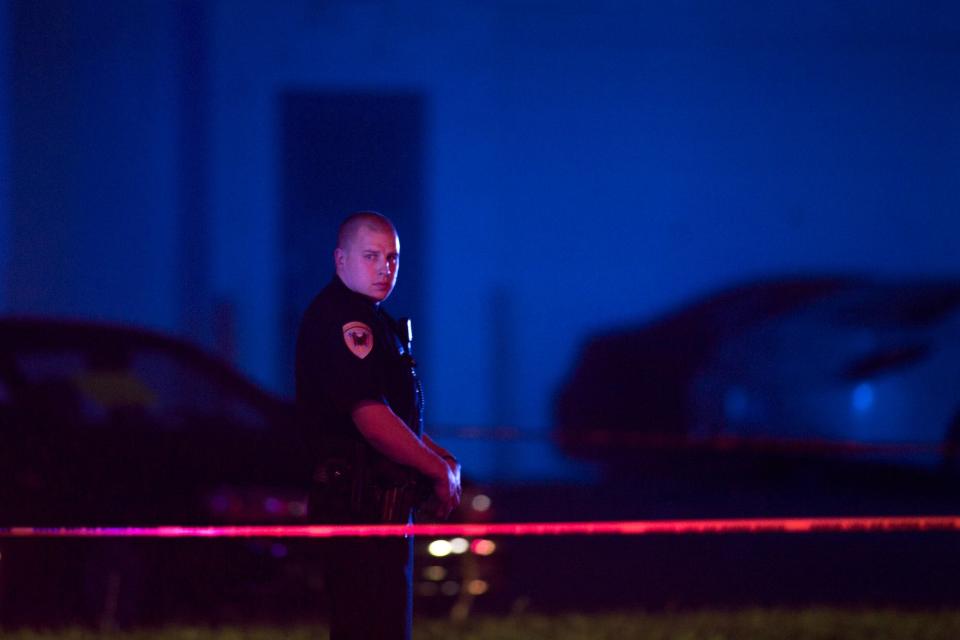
(24, 332)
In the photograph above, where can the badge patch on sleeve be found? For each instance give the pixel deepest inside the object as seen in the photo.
(358, 338)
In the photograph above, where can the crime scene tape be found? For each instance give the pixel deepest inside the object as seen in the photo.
(625, 527)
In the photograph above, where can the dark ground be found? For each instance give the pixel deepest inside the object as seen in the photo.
(901, 569)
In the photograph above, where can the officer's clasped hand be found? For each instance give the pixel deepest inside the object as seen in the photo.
(446, 491)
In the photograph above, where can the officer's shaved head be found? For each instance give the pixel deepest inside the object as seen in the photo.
(367, 256)
(362, 219)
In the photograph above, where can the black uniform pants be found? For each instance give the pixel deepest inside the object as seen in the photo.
(368, 582)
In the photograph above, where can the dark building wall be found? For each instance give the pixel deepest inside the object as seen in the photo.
(594, 165)
(586, 165)
(641, 172)
(93, 169)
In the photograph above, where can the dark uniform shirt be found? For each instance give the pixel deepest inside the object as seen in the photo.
(348, 352)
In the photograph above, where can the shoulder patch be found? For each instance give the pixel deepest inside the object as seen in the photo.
(359, 339)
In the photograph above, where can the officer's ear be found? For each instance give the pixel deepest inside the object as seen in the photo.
(339, 258)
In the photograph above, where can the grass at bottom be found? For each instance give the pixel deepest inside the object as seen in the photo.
(757, 624)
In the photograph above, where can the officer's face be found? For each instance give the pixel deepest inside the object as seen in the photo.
(369, 262)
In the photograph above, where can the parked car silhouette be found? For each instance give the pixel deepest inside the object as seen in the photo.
(106, 425)
(834, 362)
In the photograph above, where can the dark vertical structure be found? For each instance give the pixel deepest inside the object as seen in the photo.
(196, 312)
(6, 48)
(503, 329)
(503, 384)
(44, 170)
(95, 162)
(342, 153)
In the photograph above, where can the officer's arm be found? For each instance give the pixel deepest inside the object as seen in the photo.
(388, 434)
(448, 457)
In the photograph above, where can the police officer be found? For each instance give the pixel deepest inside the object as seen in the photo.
(358, 399)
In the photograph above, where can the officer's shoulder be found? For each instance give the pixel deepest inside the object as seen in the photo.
(331, 307)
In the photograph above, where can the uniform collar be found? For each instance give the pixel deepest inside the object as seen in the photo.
(348, 293)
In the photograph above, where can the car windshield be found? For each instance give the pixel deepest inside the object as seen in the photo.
(100, 387)
(898, 306)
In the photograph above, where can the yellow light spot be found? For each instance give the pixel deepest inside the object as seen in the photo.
(434, 572)
(477, 587)
(439, 548)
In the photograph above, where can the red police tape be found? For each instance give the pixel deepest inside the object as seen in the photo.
(627, 528)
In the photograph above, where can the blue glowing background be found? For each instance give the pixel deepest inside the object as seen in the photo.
(585, 165)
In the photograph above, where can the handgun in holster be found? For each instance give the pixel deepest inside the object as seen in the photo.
(398, 491)
(366, 487)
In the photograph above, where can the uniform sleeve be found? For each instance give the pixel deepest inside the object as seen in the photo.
(340, 360)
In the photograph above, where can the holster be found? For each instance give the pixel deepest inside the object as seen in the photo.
(366, 487)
